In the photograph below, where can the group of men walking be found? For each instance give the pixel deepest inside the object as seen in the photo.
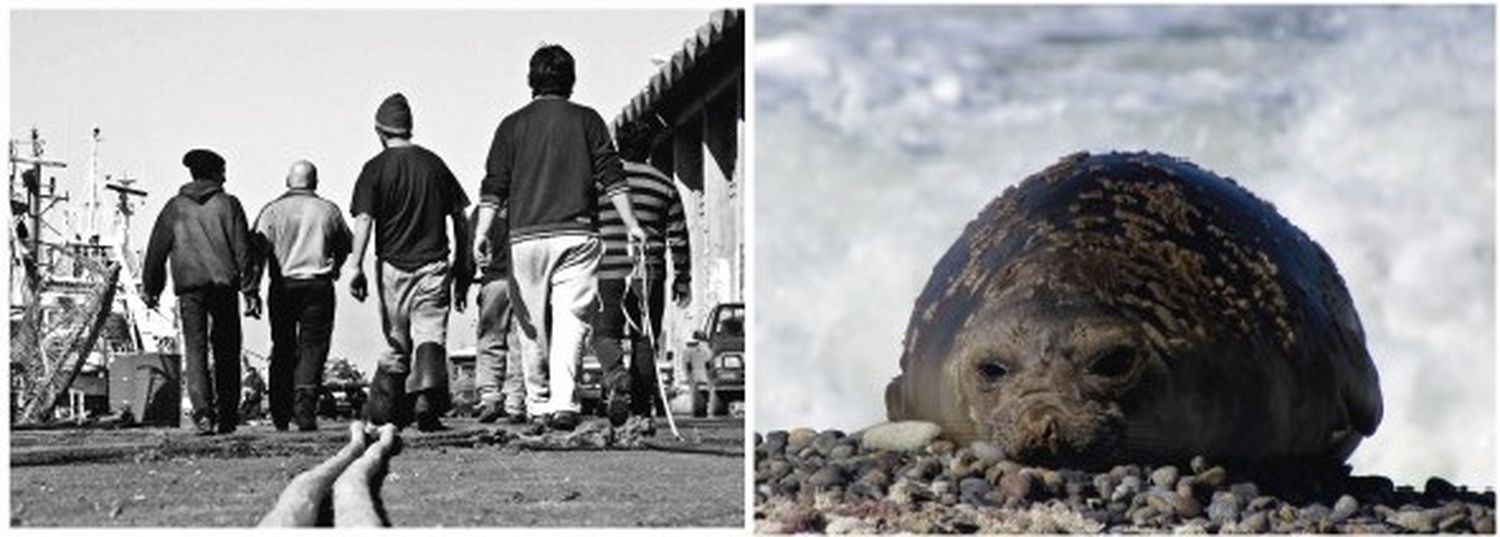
(561, 225)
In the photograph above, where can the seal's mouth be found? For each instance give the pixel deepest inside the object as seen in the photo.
(1051, 430)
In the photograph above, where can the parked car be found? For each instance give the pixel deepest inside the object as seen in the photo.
(716, 356)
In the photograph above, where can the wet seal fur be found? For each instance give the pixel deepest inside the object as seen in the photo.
(1135, 307)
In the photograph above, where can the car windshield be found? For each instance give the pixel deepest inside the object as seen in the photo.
(731, 322)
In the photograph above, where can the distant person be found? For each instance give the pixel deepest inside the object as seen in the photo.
(497, 367)
(548, 163)
(202, 231)
(623, 291)
(303, 239)
(407, 195)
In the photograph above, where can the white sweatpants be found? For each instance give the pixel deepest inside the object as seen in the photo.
(557, 297)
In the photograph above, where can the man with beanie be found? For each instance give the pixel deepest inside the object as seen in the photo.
(303, 239)
(202, 232)
(497, 365)
(623, 291)
(406, 194)
(547, 165)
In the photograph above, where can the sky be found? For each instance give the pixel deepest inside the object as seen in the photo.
(265, 88)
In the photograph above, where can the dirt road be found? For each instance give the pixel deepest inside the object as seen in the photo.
(146, 477)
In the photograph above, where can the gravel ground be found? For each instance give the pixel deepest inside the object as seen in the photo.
(475, 475)
(811, 481)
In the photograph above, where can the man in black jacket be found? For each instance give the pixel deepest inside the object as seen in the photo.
(202, 231)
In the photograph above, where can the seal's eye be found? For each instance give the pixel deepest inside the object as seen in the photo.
(992, 371)
(1115, 362)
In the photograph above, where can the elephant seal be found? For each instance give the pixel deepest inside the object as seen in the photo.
(1135, 307)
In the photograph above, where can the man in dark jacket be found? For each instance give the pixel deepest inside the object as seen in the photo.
(202, 231)
(548, 163)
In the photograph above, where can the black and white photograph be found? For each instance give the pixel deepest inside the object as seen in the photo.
(378, 267)
(1124, 269)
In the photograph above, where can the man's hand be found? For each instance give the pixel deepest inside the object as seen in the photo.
(482, 250)
(252, 306)
(151, 301)
(636, 233)
(460, 296)
(682, 292)
(358, 287)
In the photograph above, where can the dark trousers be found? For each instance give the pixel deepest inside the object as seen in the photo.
(301, 327)
(211, 319)
(611, 330)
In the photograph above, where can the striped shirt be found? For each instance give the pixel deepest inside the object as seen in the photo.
(658, 208)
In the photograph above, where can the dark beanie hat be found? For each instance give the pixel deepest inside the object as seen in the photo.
(203, 163)
(394, 115)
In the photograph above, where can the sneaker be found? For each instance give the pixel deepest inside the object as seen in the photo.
(563, 420)
(491, 411)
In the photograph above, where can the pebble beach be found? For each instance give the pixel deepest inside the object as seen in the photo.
(904, 478)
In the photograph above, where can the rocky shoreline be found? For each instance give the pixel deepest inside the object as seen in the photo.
(902, 477)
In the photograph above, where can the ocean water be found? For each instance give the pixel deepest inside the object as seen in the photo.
(881, 131)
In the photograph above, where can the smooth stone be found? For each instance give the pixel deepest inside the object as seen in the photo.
(827, 477)
(1104, 485)
(974, 486)
(824, 442)
(1263, 503)
(1418, 521)
(1313, 512)
(1214, 477)
(1451, 523)
(1255, 523)
(1016, 486)
(986, 451)
(1198, 464)
(1165, 477)
(841, 452)
(1245, 491)
(799, 438)
(1129, 487)
(776, 442)
(1344, 508)
(1224, 508)
(1485, 525)
(900, 435)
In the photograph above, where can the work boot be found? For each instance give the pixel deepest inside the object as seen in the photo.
(429, 406)
(305, 409)
(387, 402)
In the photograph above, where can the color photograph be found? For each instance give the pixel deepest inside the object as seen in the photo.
(1124, 269)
